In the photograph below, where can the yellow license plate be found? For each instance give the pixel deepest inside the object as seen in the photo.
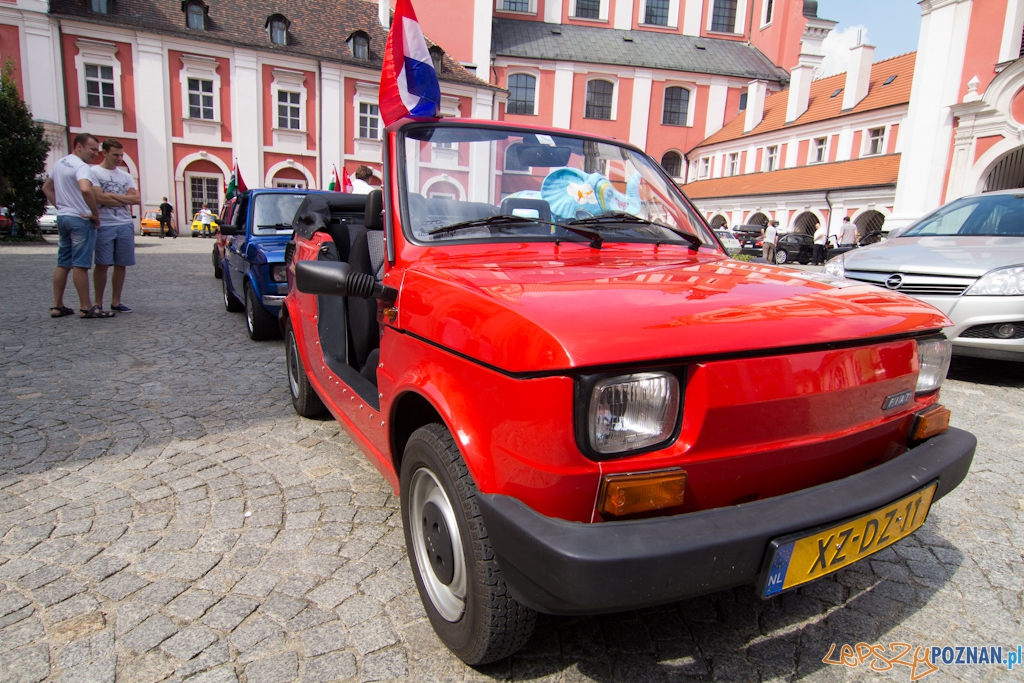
(801, 558)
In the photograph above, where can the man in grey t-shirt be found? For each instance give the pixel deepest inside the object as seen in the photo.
(114, 191)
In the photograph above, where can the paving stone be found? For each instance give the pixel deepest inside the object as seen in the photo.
(26, 665)
(121, 585)
(330, 667)
(188, 643)
(281, 668)
(161, 592)
(191, 605)
(227, 614)
(224, 674)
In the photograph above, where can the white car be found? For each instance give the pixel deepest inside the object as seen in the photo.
(48, 221)
(731, 244)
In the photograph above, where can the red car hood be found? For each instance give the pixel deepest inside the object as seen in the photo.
(549, 311)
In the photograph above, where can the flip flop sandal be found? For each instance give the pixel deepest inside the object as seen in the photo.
(61, 311)
(95, 312)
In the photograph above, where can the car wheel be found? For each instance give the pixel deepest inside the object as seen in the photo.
(781, 256)
(304, 398)
(260, 324)
(460, 583)
(231, 304)
(217, 272)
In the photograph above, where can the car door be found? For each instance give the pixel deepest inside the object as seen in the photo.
(234, 251)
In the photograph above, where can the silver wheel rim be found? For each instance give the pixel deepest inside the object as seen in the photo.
(224, 288)
(781, 257)
(448, 599)
(248, 308)
(293, 366)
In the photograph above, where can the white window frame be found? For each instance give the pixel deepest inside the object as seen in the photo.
(883, 141)
(499, 6)
(602, 12)
(289, 81)
(689, 103)
(203, 68)
(739, 27)
(682, 162)
(189, 175)
(774, 157)
(812, 148)
(615, 94)
(766, 21)
(703, 168)
(536, 85)
(673, 15)
(365, 149)
(98, 53)
(732, 164)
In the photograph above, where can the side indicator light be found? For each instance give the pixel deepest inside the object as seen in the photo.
(629, 494)
(928, 423)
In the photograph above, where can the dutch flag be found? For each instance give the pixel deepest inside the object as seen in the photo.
(408, 82)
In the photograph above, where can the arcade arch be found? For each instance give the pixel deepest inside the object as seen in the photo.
(805, 222)
(758, 219)
(719, 221)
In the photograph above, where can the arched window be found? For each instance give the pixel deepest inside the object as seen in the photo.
(522, 89)
(277, 29)
(195, 15)
(672, 162)
(437, 57)
(677, 107)
(359, 43)
(599, 100)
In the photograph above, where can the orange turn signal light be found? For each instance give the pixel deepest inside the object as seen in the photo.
(629, 494)
(928, 423)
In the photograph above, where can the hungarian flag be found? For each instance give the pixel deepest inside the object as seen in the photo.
(236, 185)
(346, 185)
(335, 184)
(408, 82)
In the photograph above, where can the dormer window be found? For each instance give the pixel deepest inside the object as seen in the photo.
(277, 29)
(99, 6)
(437, 57)
(359, 43)
(195, 15)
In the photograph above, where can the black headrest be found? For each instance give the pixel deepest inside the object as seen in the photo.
(374, 218)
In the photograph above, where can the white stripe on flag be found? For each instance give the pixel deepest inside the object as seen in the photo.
(415, 45)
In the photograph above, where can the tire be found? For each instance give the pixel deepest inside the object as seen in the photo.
(260, 324)
(231, 304)
(304, 398)
(217, 271)
(781, 256)
(460, 583)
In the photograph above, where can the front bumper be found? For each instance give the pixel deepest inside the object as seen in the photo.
(562, 567)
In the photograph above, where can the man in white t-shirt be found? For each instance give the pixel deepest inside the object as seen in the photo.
(206, 220)
(847, 233)
(771, 235)
(820, 237)
(69, 188)
(360, 183)
(114, 191)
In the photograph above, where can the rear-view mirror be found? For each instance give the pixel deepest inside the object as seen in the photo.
(542, 155)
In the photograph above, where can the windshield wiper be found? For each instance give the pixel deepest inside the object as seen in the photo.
(504, 219)
(279, 226)
(623, 217)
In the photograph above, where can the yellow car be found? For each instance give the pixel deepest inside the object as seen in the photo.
(150, 223)
(197, 227)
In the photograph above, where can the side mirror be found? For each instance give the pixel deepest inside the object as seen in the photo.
(229, 229)
(332, 278)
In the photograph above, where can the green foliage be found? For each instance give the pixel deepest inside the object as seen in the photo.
(743, 257)
(22, 155)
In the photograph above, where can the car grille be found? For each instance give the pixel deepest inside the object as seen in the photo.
(988, 331)
(915, 285)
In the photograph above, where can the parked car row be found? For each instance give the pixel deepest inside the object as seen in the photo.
(539, 380)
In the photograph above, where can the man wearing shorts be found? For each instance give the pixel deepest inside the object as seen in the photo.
(114, 191)
(70, 190)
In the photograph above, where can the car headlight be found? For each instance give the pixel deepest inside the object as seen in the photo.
(835, 268)
(279, 272)
(630, 413)
(933, 355)
(1000, 282)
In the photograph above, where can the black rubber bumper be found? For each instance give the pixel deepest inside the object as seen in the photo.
(562, 567)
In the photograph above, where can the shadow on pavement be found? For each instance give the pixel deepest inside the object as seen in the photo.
(996, 373)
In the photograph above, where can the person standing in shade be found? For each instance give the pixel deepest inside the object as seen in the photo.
(361, 181)
(115, 191)
(69, 188)
(847, 233)
(166, 210)
(771, 235)
(820, 236)
(206, 219)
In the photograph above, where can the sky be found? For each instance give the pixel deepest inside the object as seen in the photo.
(892, 26)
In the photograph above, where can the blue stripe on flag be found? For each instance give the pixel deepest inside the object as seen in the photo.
(421, 80)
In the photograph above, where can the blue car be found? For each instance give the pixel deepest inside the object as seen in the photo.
(252, 257)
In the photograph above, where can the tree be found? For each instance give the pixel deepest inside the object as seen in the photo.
(23, 151)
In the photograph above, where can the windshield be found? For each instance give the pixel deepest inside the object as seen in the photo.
(469, 182)
(988, 215)
(274, 213)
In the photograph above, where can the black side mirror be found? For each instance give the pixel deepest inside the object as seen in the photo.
(228, 229)
(331, 278)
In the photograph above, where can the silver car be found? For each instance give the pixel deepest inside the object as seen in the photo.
(967, 260)
(48, 221)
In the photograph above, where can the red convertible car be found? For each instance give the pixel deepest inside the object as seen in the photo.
(542, 346)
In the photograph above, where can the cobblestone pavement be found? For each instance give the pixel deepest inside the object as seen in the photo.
(164, 515)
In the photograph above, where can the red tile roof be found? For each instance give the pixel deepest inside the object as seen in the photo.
(823, 106)
(868, 172)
